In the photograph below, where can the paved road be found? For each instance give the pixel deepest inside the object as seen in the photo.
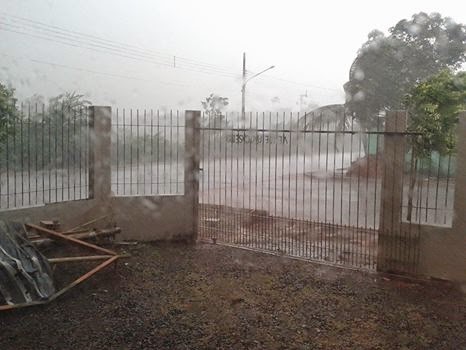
(313, 189)
(298, 187)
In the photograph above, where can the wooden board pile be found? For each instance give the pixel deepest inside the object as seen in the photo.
(26, 274)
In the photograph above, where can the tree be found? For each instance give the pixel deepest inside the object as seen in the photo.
(34, 100)
(433, 107)
(8, 111)
(66, 116)
(387, 67)
(57, 133)
(213, 108)
(67, 108)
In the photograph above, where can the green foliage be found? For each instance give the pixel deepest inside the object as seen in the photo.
(433, 106)
(8, 111)
(52, 136)
(387, 67)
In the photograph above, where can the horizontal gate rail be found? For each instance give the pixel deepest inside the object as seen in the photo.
(307, 131)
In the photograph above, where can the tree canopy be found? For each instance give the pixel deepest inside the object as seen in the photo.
(68, 101)
(387, 67)
(213, 107)
(433, 107)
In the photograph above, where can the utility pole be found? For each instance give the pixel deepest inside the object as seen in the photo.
(243, 86)
(243, 89)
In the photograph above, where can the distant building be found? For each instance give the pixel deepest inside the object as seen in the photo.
(325, 116)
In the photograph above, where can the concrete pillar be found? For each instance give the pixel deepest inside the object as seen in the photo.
(443, 249)
(191, 167)
(459, 219)
(100, 125)
(457, 252)
(389, 246)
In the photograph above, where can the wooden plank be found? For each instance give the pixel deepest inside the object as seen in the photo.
(62, 237)
(80, 236)
(78, 258)
(85, 277)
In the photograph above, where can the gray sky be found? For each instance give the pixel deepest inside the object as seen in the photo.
(312, 45)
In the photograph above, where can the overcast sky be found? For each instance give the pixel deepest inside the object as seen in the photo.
(312, 45)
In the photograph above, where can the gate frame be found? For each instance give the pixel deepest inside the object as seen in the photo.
(440, 250)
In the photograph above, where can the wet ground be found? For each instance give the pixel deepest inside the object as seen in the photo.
(214, 297)
(333, 244)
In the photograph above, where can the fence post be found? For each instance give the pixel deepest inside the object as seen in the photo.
(191, 167)
(457, 252)
(392, 190)
(100, 124)
(459, 219)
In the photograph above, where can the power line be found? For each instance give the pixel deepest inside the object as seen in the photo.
(115, 53)
(101, 49)
(107, 41)
(59, 65)
(95, 41)
(76, 34)
(130, 56)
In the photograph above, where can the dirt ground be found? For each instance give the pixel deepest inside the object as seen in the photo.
(172, 296)
(318, 241)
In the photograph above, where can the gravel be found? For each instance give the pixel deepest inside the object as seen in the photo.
(175, 296)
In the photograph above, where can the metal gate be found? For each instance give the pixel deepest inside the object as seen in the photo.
(316, 187)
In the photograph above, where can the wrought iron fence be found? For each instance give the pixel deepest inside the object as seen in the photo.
(44, 155)
(147, 152)
(307, 185)
(428, 194)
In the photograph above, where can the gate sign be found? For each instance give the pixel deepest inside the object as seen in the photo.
(257, 139)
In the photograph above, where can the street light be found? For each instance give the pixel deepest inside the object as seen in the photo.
(243, 91)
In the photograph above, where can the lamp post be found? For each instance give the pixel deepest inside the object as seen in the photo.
(243, 86)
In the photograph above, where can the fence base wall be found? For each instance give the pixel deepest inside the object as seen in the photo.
(154, 218)
(442, 254)
(140, 218)
(70, 214)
